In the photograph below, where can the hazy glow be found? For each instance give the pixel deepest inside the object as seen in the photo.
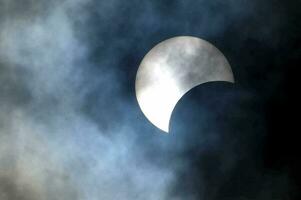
(171, 69)
(158, 109)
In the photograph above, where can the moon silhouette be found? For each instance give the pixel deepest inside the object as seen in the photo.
(172, 68)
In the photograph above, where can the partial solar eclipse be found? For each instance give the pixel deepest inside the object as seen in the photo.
(171, 69)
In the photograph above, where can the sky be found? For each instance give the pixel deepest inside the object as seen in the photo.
(71, 127)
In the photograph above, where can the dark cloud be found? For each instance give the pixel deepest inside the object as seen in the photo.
(224, 128)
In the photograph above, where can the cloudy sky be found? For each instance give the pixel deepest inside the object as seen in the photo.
(71, 127)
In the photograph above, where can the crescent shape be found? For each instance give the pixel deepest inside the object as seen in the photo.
(171, 69)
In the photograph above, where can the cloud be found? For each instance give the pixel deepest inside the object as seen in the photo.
(70, 126)
(49, 148)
